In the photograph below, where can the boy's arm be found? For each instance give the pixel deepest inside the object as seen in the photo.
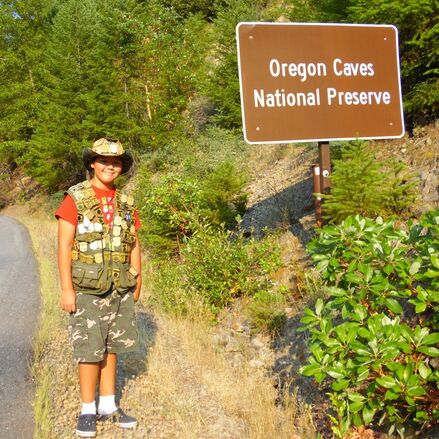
(136, 262)
(66, 235)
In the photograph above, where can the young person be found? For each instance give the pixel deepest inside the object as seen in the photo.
(99, 264)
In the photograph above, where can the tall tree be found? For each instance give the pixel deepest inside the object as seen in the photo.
(23, 29)
(112, 68)
(85, 93)
(223, 88)
(60, 134)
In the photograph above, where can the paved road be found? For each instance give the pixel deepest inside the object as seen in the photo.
(19, 312)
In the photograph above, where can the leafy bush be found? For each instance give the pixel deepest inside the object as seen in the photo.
(364, 185)
(215, 267)
(174, 205)
(168, 208)
(375, 337)
(221, 266)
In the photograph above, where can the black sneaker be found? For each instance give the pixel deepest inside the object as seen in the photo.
(86, 426)
(120, 418)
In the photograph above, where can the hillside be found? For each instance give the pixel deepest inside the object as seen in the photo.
(185, 379)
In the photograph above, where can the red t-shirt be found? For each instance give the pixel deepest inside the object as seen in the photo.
(68, 212)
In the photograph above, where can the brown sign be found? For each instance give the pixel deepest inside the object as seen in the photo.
(308, 82)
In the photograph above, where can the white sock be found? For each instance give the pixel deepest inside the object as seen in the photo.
(107, 405)
(88, 408)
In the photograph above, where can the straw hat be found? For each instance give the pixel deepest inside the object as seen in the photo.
(109, 148)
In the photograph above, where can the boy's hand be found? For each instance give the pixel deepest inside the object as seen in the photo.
(136, 293)
(68, 300)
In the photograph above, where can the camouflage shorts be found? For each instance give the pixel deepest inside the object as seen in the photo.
(102, 324)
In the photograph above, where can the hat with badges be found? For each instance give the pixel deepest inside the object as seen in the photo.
(109, 148)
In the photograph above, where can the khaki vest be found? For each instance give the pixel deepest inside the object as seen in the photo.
(100, 254)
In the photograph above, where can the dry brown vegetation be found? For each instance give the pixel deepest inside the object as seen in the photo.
(179, 384)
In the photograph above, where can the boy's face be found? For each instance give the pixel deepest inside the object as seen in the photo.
(106, 168)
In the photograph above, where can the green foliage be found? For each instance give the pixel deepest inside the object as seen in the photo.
(267, 310)
(222, 195)
(24, 27)
(174, 205)
(364, 185)
(376, 335)
(93, 68)
(216, 266)
(168, 210)
(200, 180)
(173, 69)
(73, 71)
(223, 86)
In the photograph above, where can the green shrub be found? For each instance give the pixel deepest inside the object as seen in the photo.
(267, 310)
(363, 185)
(221, 266)
(168, 209)
(222, 194)
(173, 205)
(215, 266)
(376, 336)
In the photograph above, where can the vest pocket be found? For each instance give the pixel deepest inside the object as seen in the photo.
(127, 278)
(87, 276)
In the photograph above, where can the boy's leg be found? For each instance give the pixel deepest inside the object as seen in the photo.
(88, 379)
(107, 384)
(107, 375)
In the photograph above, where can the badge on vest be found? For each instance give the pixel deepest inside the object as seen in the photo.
(95, 245)
(98, 227)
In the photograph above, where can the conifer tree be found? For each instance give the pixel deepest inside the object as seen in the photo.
(361, 184)
(223, 87)
(23, 29)
(65, 98)
(85, 94)
(112, 68)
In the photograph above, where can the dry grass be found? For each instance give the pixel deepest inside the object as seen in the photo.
(179, 384)
(244, 393)
(192, 391)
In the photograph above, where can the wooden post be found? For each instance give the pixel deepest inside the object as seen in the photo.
(325, 183)
(325, 167)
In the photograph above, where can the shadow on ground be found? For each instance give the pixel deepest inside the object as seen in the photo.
(133, 364)
(292, 207)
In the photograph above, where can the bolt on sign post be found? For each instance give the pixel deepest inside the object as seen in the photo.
(306, 82)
